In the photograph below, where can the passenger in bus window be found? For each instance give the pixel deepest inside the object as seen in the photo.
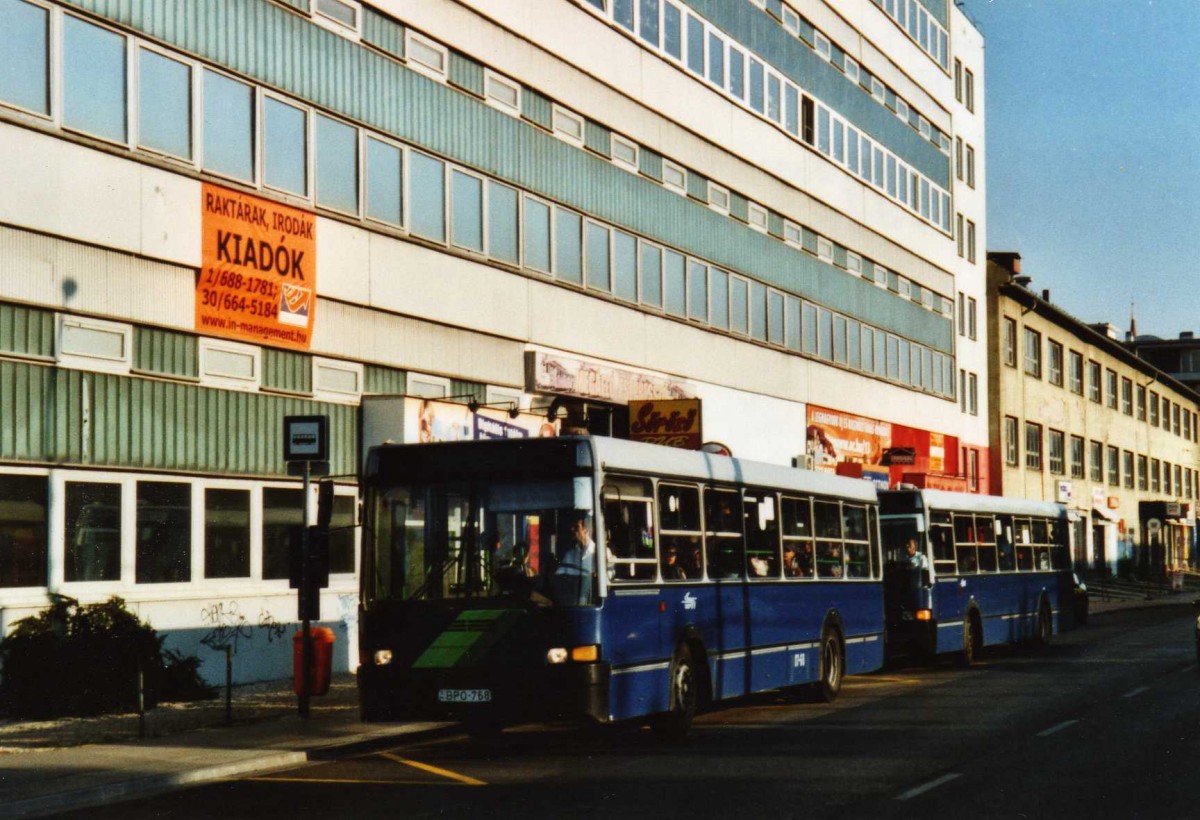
(572, 582)
(916, 558)
(791, 561)
(672, 570)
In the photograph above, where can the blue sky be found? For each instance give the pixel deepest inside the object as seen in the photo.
(1093, 153)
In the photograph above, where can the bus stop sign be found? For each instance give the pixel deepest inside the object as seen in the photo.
(306, 438)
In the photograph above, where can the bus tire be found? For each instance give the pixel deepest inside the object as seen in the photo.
(1045, 625)
(972, 639)
(833, 666)
(683, 696)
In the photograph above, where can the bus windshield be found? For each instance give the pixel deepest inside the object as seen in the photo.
(532, 541)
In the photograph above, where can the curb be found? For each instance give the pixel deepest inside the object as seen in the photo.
(150, 785)
(147, 786)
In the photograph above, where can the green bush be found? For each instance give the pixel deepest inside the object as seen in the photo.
(83, 660)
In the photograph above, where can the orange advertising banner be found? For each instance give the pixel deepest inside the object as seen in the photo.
(675, 422)
(258, 270)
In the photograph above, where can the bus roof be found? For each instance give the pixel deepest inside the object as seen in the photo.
(972, 502)
(672, 462)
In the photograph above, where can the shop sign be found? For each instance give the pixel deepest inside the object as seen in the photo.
(833, 437)
(258, 269)
(568, 376)
(1063, 492)
(674, 423)
(937, 453)
(1114, 502)
(1099, 497)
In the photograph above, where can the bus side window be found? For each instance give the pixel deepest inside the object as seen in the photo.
(762, 535)
(828, 526)
(723, 537)
(679, 532)
(942, 539)
(1060, 556)
(630, 540)
(858, 562)
(1004, 545)
(796, 523)
(985, 528)
(1023, 534)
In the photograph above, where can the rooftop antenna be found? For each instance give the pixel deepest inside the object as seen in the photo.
(1132, 322)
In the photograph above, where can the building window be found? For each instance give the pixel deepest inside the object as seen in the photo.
(427, 387)
(1166, 478)
(757, 217)
(226, 533)
(1127, 396)
(1143, 481)
(973, 394)
(1127, 468)
(568, 125)
(229, 125)
(970, 241)
(824, 249)
(1175, 428)
(962, 315)
(973, 470)
(164, 532)
(958, 76)
(1076, 457)
(1075, 372)
(337, 165)
(93, 531)
(970, 167)
(718, 197)
(1096, 461)
(972, 318)
(1033, 353)
(25, 44)
(1153, 409)
(229, 364)
(284, 146)
(93, 344)
(1008, 341)
(384, 172)
(969, 90)
(1155, 479)
(625, 153)
(1141, 402)
(1010, 441)
(425, 55)
(1033, 446)
(501, 92)
(466, 211)
(1114, 466)
(822, 45)
(1094, 381)
(427, 197)
(335, 380)
(1110, 393)
(94, 83)
(674, 177)
(960, 237)
(164, 122)
(958, 157)
(344, 14)
(24, 510)
(1055, 362)
(1055, 445)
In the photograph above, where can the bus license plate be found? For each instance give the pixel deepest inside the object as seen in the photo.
(465, 695)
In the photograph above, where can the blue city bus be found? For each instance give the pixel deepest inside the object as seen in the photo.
(602, 579)
(985, 570)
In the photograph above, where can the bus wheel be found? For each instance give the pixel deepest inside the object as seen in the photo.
(832, 667)
(684, 695)
(970, 650)
(1045, 625)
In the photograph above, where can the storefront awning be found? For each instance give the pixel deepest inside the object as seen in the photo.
(1105, 513)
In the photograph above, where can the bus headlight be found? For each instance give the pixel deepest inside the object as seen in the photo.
(383, 657)
(556, 655)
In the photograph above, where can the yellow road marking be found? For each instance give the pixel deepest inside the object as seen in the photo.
(425, 767)
(342, 780)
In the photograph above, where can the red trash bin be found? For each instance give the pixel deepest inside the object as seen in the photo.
(322, 660)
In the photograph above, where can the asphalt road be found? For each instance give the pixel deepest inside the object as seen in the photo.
(1105, 722)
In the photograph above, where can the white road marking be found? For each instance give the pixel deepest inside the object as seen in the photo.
(932, 784)
(1056, 728)
(1136, 692)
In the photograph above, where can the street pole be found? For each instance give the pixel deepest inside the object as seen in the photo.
(306, 636)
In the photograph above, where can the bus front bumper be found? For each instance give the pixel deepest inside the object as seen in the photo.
(499, 695)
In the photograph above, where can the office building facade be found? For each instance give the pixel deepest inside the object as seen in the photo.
(219, 214)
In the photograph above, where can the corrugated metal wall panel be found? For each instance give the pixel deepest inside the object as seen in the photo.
(165, 351)
(296, 4)
(287, 370)
(386, 380)
(650, 163)
(739, 206)
(466, 73)
(24, 393)
(383, 32)
(597, 138)
(466, 391)
(697, 186)
(26, 331)
(536, 108)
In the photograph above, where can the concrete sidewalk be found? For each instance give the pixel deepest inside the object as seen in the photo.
(53, 766)
(72, 763)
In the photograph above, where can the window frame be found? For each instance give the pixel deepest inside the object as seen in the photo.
(333, 394)
(629, 165)
(411, 36)
(84, 361)
(490, 77)
(260, 145)
(677, 187)
(333, 24)
(207, 345)
(429, 380)
(58, 93)
(195, 106)
(559, 112)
